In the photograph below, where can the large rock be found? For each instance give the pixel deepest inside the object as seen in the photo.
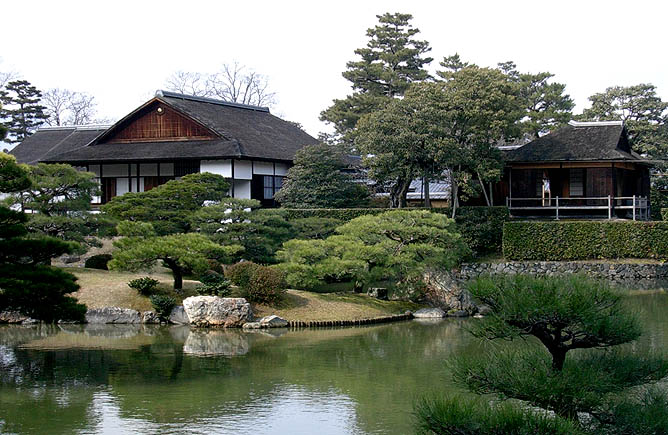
(429, 313)
(378, 293)
(217, 311)
(150, 317)
(14, 317)
(113, 315)
(272, 321)
(178, 316)
(444, 291)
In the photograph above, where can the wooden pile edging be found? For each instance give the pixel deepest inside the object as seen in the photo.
(359, 322)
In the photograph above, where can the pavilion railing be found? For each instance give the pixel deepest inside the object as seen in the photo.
(637, 206)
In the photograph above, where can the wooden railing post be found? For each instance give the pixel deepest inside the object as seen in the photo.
(609, 207)
(634, 207)
(557, 208)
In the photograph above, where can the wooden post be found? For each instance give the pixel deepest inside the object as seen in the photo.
(557, 204)
(609, 207)
(634, 207)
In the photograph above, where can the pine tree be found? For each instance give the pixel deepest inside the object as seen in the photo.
(22, 111)
(391, 61)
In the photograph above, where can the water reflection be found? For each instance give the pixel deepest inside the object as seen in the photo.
(117, 379)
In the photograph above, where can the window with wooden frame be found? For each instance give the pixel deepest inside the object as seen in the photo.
(576, 182)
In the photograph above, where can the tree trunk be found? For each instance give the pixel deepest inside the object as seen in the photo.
(425, 191)
(398, 193)
(406, 184)
(558, 358)
(484, 191)
(454, 195)
(176, 271)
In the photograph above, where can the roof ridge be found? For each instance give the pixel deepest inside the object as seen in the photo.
(169, 94)
(75, 127)
(595, 123)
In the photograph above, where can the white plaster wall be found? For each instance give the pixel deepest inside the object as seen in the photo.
(147, 169)
(219, 167)
(166, 169)
(243, 170)
(141, 184)
(282, 169)
(242, 189)
(119, 170)
(263, 168)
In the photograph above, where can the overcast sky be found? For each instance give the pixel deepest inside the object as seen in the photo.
(122, 51)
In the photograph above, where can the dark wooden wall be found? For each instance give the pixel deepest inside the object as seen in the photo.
(159, 123)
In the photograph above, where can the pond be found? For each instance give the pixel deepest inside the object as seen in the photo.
(138, 379)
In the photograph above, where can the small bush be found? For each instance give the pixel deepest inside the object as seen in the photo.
(214, 284)
(145, 286)
(240, 273)
(266, 285)
(163, 305)
(462, 416)
(315, 227)
(584, 240)
(98, 262)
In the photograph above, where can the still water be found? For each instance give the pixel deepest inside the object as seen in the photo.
(137, 379)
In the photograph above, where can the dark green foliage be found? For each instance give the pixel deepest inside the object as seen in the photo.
(398, 245)
(463, 416)
(83, 228)
(145, 286)
(557, 241)
(214, 284)
(642, 413)
(664, 214)
(480, 227)
(391, 60)
(658, 196)
(26, 284)
(587, 382)
(169, 207)
(21, 109)
(240, 273)
(260, 232)
(564, 313)
(163, 305)
(318, 179)
(266, 286)
(98, 261)
(314, 227)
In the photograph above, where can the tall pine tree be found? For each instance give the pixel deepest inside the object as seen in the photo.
(392, 60)
(22, 112)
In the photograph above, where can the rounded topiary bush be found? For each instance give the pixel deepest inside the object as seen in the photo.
(240, 273)
(145, 286)
(98, 262)
(163, 305)
(266, 285)
(213, 283)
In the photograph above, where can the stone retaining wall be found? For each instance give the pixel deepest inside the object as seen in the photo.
(639, 275)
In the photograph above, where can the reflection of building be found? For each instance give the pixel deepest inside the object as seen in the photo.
(173, 135)
(590, 168)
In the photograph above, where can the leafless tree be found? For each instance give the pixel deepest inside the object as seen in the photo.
(234, 83)
(6, 77)
(66, 107)
(190, 83)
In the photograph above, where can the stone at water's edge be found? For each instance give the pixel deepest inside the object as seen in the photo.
(150, 317)
(444, 291)
(272, 321)
(217, 311)
(429, 313)
(378, 293)
(14, 317)
(113, 315)
(178, 316)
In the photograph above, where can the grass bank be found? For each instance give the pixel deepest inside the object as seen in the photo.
(101, 288)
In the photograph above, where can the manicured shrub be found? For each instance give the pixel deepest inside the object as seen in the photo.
(464, 416)
(214, 284)
(664, 214)
(480, 227)
(163, 305)
(98, 262)
(145, 286)
(266, 285)
(314, 227)
(556, 241)
(240, 273)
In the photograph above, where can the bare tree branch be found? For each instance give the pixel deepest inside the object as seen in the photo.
(65, 107)
(190, 83)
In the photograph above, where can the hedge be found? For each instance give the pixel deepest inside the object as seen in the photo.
(556, 241)
(664, 214)
(481, 227)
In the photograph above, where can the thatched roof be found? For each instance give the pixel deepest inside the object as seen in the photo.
(51, 141)
(242, 131)
(579, 141)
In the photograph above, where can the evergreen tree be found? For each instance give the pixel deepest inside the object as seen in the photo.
(318, 180)
(391, 61)
(22, 111)
(26, 285)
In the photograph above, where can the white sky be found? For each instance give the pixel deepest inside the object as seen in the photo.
(122, 51)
